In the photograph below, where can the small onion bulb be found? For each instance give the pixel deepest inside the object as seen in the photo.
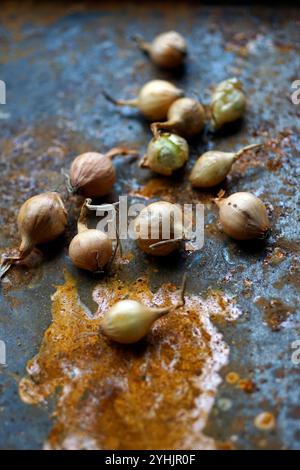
(158, 228)
(90, 249)
(186, 117)
(92, 174)
(153, 100)
(243, 216)
(212, 167)
(41, 219)
(168, 50)
(128, 321)
(228, 102)
(166, 153)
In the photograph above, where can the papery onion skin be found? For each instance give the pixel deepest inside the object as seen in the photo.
(243, 216)
(153, 217)
(91, 250)
(92, 174)
(41, 219)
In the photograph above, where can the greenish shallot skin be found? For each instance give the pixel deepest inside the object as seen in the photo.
(166, 154)
(228, 102)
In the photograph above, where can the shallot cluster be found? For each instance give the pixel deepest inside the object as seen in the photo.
(159, 229)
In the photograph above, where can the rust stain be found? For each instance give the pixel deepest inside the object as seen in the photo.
(269, 157)
(275, 312)
(247, 385)
(156, 187)
(275, 257)
(232, 378)
(156, 394)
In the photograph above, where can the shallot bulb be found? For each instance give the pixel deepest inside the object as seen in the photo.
(41, 219)
(92, 174)
(128, 321)
(166, 153)
(228, 102)
(186, 117)
(168, 50)
(159, 228)
(153, 100)
(212, 167)
(90, 249)
(243, 216)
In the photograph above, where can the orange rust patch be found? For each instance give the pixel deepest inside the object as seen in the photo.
(232, 378)
(173, 191)
(275, 312)
(157, 187)
(156, 394)
(247, 385)
(275, 257)
(269, 156)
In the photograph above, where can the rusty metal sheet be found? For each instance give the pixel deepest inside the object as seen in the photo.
(242, 298)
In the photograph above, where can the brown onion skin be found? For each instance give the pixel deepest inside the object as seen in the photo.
(92, 174)
(90, 250)
(41, 219)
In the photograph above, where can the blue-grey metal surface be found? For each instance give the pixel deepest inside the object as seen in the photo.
(55, 61)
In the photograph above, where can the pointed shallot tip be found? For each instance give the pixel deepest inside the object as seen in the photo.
(248, 147)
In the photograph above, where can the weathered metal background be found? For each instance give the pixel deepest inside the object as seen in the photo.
(55, 61)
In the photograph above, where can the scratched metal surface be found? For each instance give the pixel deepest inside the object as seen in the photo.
(55, 61)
